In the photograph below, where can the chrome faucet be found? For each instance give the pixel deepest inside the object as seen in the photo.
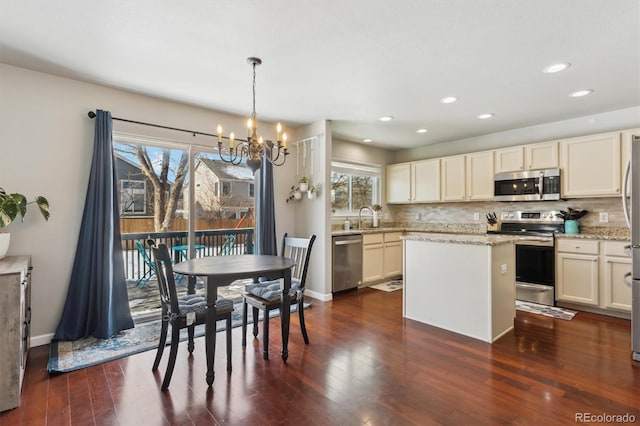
(360, 215)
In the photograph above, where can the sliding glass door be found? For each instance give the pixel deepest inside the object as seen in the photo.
(209, 215)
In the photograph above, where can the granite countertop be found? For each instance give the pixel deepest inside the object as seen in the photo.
(365, 231)
(475, 239)
(599, 233)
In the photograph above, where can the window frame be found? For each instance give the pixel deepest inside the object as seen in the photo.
(131, 193)
(358, 169)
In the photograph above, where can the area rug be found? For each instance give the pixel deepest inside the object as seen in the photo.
(67, 356)
(548, 311)
(389, 286)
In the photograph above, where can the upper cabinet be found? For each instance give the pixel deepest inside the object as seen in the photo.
(452, 178)
(399, 183)
(591, 166)
(479, 174)
(425, 180)
(509, 159)
(541, 155)
(416, 182)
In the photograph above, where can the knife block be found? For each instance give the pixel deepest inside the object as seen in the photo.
(493, 227)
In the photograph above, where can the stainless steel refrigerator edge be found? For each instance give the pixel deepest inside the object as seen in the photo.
(633, 169)
(346, 262)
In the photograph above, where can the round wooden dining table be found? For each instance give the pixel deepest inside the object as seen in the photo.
(221, 271)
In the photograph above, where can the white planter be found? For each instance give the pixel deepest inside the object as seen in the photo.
(5, 237)
(297, 195)
(311, 195)
(304, 186)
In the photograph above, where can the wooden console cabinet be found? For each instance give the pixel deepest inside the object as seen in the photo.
(15, 305)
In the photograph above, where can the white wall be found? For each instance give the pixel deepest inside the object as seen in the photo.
(628, 118)
(46, 144)
(314, 216)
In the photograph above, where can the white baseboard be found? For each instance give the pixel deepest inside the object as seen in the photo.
(43, 339)
(319, 296)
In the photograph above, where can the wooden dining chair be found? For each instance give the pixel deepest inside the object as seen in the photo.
(265, 296)
(185, 312)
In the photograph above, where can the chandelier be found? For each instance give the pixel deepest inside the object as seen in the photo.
(254, 148)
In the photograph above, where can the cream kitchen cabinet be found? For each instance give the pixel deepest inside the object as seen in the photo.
(15, 305)
(593, 273)
(392, 254)
(452, 178)
(372, 258)
(399, 183)
(591, 166)
(479, 176)
(577, 271)
(381, 256)
(509, 159)
(415, 182)
(541, 155)
(617, 270)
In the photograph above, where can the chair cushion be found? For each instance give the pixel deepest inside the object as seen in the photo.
(192, 303)
(270, 290)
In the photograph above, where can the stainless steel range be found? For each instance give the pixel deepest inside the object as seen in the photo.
(535, 255)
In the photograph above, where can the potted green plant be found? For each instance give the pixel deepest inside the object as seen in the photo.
(312, 192)
(571, 219)
(304, 184)
(294, 194)
(12, 206)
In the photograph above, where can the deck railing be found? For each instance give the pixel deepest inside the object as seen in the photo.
(216, 242)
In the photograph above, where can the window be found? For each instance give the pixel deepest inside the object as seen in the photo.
(226, 189)
(133, 196)
(251, 190)
(353, 186)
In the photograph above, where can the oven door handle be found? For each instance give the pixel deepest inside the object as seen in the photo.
(534, 243)
(537, 288)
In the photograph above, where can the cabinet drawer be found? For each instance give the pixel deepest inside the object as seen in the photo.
(616, 248)
(577, 246)
(372, 238)
(392, 236)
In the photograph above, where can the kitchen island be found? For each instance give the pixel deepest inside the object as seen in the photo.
(461, 283)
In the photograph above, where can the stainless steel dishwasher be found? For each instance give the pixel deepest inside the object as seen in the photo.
(347, 262)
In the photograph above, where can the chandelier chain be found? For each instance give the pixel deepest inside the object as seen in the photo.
(253, 114)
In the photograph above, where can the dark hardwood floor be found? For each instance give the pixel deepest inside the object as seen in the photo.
(365, 365)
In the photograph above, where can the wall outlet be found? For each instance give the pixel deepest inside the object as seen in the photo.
(604, 217)
(503, 268)
(386, 216)
(418, 216)
(476, 216)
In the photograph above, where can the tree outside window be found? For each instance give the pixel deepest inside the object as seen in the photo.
(353, 186)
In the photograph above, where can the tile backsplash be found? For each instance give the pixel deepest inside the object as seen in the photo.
(463, 213)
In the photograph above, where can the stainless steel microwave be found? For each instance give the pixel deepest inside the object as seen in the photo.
(530, 185)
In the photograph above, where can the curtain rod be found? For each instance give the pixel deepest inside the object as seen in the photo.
(92, 114)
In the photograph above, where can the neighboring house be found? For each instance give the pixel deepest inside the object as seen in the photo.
(222, 190)
(135, 189)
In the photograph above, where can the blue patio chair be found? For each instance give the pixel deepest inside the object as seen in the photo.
(227, 247)
(151, 271)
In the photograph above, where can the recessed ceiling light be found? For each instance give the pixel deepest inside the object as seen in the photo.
(448, 100)
(553, 68)
(580, 93)
(485, 115)
(421, 131)
(386, 118)
(367, 140)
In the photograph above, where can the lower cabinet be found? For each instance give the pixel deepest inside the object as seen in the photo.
(381, 256)
(593, 273)
(15, 305)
